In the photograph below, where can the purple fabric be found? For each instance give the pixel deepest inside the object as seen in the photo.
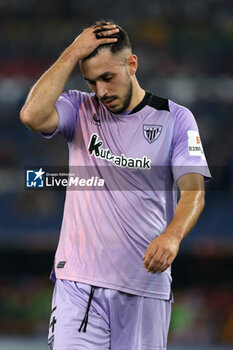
(116, 321)
(67, 107)
(181, 161)
(105, 234)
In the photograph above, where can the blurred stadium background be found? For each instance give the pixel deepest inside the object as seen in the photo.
(185, 51)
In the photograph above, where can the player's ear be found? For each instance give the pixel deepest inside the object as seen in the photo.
(132, 62)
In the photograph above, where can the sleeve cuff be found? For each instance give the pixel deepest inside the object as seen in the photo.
(179, 171)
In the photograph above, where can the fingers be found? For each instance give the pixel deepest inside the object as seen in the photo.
(93, 37)
(150, 255)
(107, 26)
(153, 263)
(160, 253)
(106, 32)
(167, 264)
(105, 29)
(158, 261)
(161, 265)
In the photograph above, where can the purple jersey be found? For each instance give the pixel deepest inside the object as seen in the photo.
(105, 233)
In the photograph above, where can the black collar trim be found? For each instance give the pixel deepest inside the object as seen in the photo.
(154, 101)
(145, 101)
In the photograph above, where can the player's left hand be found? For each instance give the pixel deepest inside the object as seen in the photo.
(161, 252)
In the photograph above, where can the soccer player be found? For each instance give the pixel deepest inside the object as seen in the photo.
(116, 247)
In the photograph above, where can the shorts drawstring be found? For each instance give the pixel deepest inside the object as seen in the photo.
(85, 320)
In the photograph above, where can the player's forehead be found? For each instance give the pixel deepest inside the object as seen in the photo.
(104, 62)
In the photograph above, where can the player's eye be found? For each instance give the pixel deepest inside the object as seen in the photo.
(91, 82)
(107, 79)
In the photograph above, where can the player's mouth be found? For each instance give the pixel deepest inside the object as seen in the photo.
(110, 102)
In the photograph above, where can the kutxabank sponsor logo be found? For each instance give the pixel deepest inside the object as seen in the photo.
(40, 179)
(95, 148)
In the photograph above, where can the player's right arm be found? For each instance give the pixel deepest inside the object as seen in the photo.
(39, 112)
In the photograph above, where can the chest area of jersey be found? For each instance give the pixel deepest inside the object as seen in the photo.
(136, 142)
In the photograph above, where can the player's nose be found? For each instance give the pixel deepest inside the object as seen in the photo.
(101, 90)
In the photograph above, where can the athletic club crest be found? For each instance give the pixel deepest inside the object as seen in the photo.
(151, 132)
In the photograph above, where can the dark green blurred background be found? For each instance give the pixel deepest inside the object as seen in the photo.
(185, 51)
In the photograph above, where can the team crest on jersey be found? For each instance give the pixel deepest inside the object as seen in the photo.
(151, 132)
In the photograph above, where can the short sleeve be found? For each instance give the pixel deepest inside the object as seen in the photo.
(187, 151)
(67, 105)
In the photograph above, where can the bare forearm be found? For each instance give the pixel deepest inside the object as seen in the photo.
(39, 111)
(187, 213)
(163, 249)
(44, 94)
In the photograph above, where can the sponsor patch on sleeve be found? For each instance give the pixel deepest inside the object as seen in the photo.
(194, 144)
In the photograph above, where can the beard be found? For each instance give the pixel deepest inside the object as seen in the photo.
(125, 99)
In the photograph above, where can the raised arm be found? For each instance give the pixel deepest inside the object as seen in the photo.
(39, 112)
(163, 249)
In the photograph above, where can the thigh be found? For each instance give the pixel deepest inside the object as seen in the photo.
(139, 323)
(68, 309)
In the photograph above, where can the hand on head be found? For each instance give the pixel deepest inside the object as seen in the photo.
(93, 37)
(103, 31)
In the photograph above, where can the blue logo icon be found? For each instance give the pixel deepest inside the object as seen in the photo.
(35, 178)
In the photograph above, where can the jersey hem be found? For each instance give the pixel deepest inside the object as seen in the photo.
(109, 285)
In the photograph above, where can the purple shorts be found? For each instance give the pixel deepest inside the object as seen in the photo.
(114, 321)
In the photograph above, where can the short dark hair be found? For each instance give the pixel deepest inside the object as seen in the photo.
(123, 41)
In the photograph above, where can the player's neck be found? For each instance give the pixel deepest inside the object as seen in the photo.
(137, 96)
